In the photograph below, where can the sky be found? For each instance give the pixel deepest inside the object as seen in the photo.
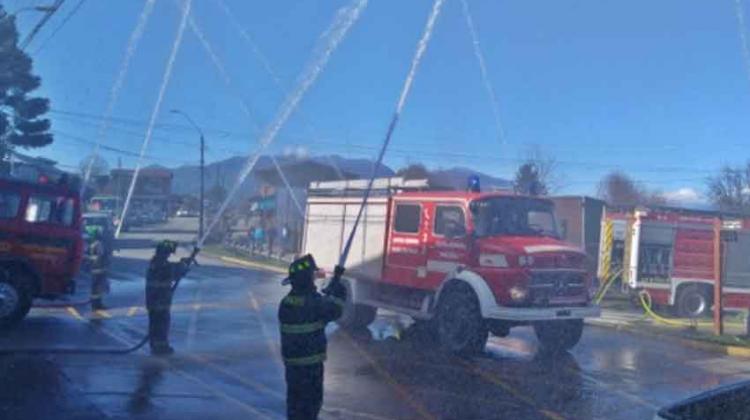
(658, 90)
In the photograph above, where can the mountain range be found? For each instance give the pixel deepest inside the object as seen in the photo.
(187, 178)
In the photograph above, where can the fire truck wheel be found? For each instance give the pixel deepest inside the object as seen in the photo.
(693, 302)
(355, 315)
(15, 301)
(558, 336)
(460, 327)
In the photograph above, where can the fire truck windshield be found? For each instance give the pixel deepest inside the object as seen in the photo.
(514, 216)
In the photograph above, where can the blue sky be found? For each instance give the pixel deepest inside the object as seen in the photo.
(657, 89)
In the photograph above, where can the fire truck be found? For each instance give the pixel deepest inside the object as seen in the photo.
(675, 256)
(463, 263)
(40, 244)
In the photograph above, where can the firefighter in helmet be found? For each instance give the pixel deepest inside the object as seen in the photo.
(303, 315)
(96, 255)
(161, 279)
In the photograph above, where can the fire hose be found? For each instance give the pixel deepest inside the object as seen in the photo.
(645, 300)
(78, 350)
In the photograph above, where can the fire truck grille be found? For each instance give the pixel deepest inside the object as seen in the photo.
(550, 285)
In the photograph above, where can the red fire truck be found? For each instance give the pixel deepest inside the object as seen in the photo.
(670, 254)
(40, 244)
(469, 263)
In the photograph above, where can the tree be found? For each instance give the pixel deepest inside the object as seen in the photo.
(414, 171)
(729, 190)
(528, 180)
(619, 189)
(537, 174)
(21, 122)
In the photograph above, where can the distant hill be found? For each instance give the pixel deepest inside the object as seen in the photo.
(187, 178)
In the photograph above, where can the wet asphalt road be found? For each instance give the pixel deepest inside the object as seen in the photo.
(227, 363)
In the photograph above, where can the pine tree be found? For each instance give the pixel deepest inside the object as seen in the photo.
(21, 122)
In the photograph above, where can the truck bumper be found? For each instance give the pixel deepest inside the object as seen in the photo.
(543, 314)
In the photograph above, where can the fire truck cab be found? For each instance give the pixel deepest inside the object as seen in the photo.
(40, 244)
(466, 263)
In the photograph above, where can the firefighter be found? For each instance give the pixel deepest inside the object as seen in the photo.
(161, 278)
(303, 315)
(97, 259)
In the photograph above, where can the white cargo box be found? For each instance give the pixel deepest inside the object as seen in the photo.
(328, 225)
(332, 208)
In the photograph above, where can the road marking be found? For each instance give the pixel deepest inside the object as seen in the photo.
(254, 303)
(212, 389)
(193, 325)
(264, 330)
(402, 391)
(510, 389)
(102, 313)
(250, 409)
(132, 310)
(74, 312)
(258, 266)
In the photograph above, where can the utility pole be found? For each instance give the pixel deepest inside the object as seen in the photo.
(203, 151)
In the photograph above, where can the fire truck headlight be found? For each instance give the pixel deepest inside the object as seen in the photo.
(518, 293)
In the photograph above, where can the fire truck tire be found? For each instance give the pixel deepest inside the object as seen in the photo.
(693, 302)
(558, 336)
(15, 300)
(460, 326)
(355, 316)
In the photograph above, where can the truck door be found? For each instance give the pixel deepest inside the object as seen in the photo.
(405, 248)
(447, 247)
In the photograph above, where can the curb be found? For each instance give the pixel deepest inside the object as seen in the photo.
(250, 264)
(727, 350)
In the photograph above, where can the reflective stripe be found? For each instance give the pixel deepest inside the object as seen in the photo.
(302, 328)
(338, 301)
(309, 360)
(294, 301)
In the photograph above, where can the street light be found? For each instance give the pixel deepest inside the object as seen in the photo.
(203, 149)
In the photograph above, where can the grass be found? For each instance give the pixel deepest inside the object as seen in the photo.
(221, 251)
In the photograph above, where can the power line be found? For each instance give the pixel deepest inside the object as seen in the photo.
(65, 20)
(47, 15)
(116, 150)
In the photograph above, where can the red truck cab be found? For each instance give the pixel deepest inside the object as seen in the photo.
(468, 263)
(40, 244)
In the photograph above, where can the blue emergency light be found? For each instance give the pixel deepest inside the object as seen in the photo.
(474, 184)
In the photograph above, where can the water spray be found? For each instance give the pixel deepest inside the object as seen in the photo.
(155, 113)
(329, 42)
(245, 107)
(421, 47)
(743, 35)
(483, 71)
(271, 73)
(114, 93)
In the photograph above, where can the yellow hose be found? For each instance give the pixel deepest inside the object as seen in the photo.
(605, 286)
(643, 295)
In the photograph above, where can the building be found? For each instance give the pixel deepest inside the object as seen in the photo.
(152, 189)
(280, 206)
